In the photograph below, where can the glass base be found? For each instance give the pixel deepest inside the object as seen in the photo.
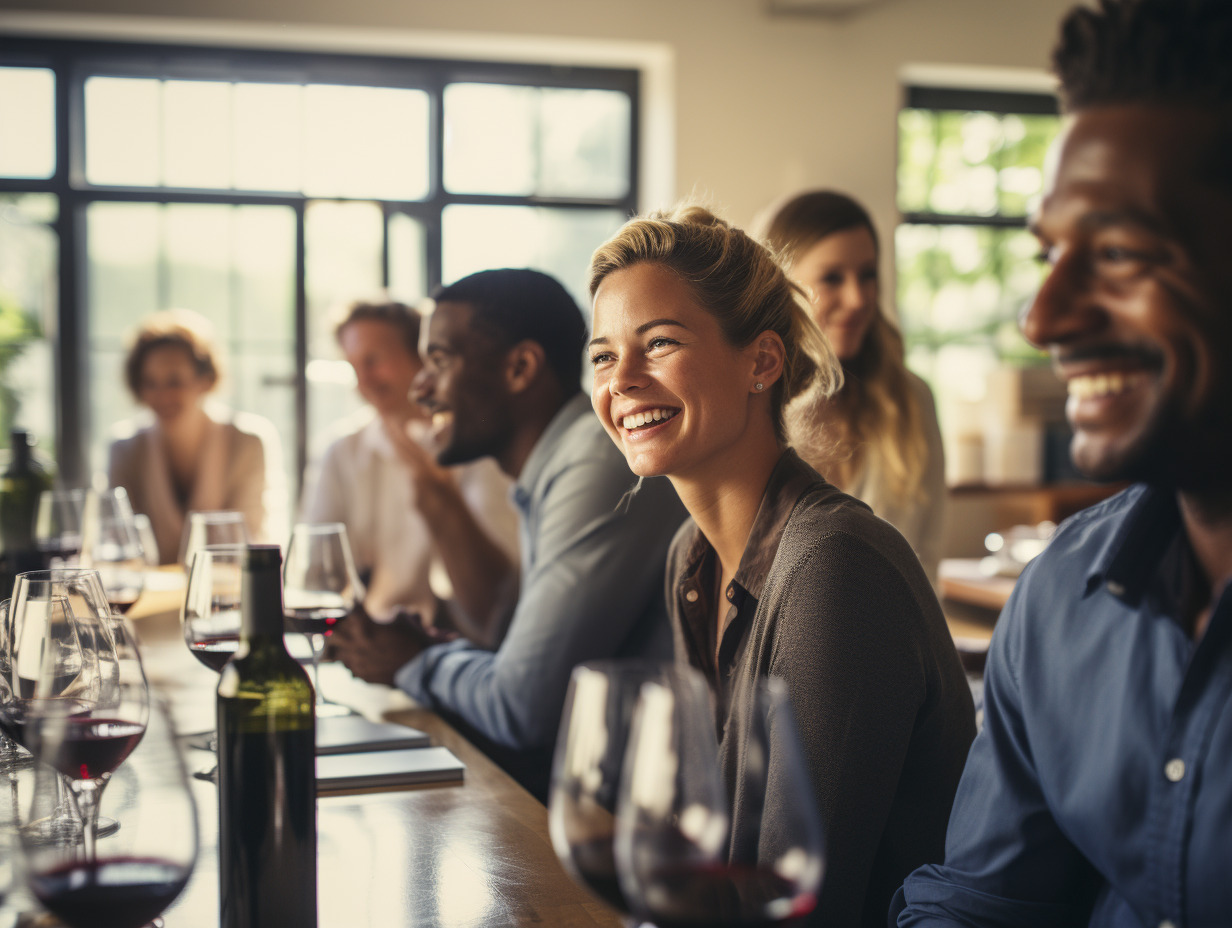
(64, 831)
(333, 710)
(203, 741)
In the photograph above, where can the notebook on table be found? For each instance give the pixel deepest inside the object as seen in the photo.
(405, 767)
(351, 734)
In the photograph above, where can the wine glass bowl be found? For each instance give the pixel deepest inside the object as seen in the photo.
(112, 546)
(145, 865)
(211, 613)
(213, 527)
(679, 860)
(586, 770)
(320, 588)
(58, 526)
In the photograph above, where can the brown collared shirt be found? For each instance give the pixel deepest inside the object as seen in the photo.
(831, 599)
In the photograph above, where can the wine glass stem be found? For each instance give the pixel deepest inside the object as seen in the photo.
(87, 794)
(317, 644)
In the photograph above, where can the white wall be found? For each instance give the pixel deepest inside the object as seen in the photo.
(763, 105)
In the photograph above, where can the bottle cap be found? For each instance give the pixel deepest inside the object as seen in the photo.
(262, 557)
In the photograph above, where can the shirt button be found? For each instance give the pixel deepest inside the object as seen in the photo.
(1166, 923)
(691, 596)
(1116, 589)
(1174, 770)
(731, 593)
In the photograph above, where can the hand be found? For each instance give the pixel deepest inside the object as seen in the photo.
(375, 652)
(434, 486)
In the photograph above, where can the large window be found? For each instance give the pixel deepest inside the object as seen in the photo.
(970, 169)
(263, 190)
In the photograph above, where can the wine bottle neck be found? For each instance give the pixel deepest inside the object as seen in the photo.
(261, 596)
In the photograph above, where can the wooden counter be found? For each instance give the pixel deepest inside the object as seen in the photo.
(475, 854)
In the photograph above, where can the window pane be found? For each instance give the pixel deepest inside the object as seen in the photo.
(365, 142)
(268, 136)
(196, 134)
(408, 272)
(556, 241)
(475, 116)
(27, 122)
(553, 141)
(584, 143)
(971, 163)
(29, 259)
(122, 131)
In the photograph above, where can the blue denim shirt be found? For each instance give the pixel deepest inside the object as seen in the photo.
(1100, 790)
(591, 587)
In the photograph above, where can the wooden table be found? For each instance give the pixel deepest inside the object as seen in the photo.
(473, 855)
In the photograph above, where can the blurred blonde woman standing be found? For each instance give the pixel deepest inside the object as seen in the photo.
(878, 437)
(699, 343)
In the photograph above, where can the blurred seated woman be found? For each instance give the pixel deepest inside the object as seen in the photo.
(877, 438)
(189, 458)
(700, 341)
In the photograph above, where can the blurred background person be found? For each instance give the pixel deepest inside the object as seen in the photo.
(372, 478)
(196, 455)
(878, 437)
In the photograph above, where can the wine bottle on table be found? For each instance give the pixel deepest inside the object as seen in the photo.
(20, 485)
(267, 813)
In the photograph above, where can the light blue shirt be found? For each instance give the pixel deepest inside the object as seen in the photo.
(591, 587)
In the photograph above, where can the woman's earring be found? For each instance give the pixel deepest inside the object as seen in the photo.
(759, 387)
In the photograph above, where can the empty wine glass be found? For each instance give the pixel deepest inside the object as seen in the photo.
(146, 864)
(678, 860)
(149, 543)
(112, 546)
(320, 586)
(58, 525)
(86, 728)
(586, 769)
(214, 527)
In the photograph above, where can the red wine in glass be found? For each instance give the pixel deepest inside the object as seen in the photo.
(718, 895)
(593, 863)
(123, 892)
(122, 600)
(314, 620)
(95, 747)
(213, 650)
(14, 716)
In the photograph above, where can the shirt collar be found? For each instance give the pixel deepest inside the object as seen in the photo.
(1129, 559)
(787, 482)
(573, 409)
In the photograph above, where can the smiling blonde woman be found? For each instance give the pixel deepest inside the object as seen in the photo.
(700, 342)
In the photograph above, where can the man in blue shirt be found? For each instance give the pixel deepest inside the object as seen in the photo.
(1100, 792)
(502, 376)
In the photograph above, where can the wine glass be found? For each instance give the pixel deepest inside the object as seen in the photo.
(211, 617)
(678, 859)
(213, 527)
(320, 586)
(146, 864)
(586, 770)
(112, 546)
(86, 728)
(58, 525)
(38, 626)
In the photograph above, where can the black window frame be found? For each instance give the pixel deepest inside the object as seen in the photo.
(74, 60)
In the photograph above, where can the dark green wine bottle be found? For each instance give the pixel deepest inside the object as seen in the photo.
(267, 811)
(20, 485)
